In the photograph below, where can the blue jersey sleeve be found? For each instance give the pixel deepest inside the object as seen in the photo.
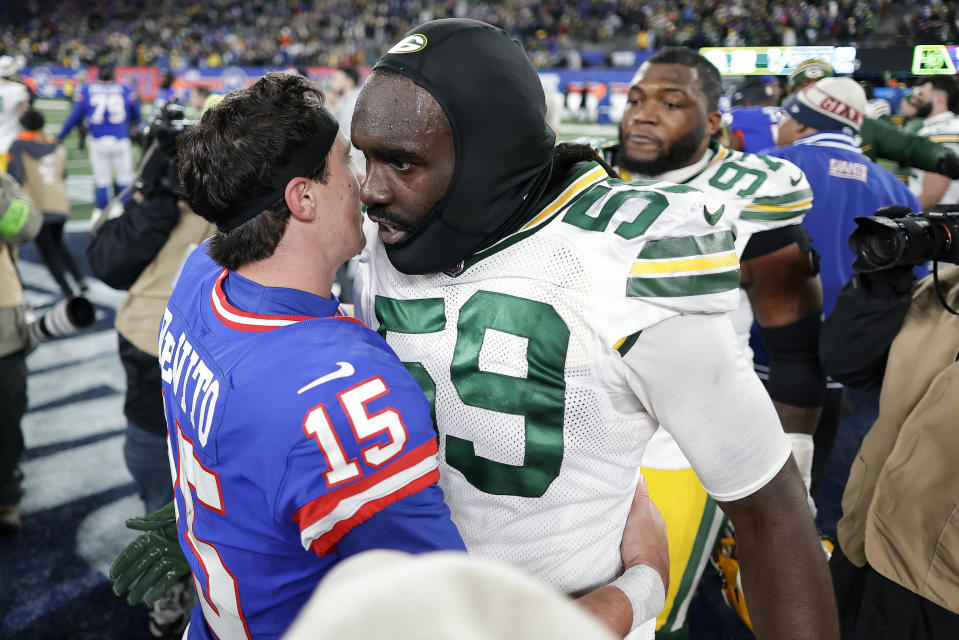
(133, 107)
(416, 524)
(367, 442)
(76, 114)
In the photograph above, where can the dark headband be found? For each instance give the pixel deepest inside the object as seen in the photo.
(302, 163)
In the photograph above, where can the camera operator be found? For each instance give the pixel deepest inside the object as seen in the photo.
(896, 569)
(20, 222)
(141, 251)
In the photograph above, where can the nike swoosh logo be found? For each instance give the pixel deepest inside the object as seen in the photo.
(796, 181)
(345, 370)
(713, 218)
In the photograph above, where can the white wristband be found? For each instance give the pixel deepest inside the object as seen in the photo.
(645, 590)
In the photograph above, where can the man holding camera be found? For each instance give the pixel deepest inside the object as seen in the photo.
(20, 222)
(141, 251)
(896, 570)
(818, 133)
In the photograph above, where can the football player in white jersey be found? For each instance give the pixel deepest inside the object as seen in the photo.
(936, 99)
(668, 133)
(557, 316)
(14, 101)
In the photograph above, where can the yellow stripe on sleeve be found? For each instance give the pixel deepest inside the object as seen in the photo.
(685, 265)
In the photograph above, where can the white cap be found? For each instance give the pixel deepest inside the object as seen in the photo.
(390, 595)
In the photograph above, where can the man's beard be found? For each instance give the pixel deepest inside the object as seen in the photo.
(923, 109)
(679, 155)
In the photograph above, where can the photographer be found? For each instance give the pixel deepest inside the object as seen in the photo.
(896, 569)
(141, 251)
(20, 222)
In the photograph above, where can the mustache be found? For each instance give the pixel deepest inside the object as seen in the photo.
(383, 214)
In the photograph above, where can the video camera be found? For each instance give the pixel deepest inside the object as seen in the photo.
(907, 239)
(157, 167)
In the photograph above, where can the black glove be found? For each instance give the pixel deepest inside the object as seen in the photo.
(891, 282)
(948, 165)
(158, 174)
(154, 560)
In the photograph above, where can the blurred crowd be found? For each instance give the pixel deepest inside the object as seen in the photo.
(217, 33)
(931, 23)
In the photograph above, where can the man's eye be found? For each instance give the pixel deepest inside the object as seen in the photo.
(632, 102)
(401, 165)
(672, 105)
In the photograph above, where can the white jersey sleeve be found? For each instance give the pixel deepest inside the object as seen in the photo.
(666, 249)
(762, 192)
(692, 376)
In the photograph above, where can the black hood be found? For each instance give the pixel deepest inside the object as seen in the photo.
(494, 101)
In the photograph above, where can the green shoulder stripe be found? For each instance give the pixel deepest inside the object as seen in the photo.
(789, 198)
(772, 215)
(688, 246)
(678, 286)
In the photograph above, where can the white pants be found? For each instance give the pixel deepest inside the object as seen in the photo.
(108, 156)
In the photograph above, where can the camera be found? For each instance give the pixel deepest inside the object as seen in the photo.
(66, 317)
(883, 242)
(158, 166)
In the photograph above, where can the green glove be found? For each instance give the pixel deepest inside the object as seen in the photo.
(154, 560)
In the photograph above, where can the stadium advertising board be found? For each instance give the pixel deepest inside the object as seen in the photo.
(935, 59)
(776, 61)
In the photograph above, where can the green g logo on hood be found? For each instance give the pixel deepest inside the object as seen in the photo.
(409, 44)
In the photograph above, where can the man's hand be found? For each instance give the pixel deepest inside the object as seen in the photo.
(644, 543)
(154, 560)
(644, 538)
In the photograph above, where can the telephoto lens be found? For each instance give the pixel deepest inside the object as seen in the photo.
(66, 317)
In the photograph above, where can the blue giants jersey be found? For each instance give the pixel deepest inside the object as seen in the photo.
(297, 439)
(110, 109)
(845, 184)
(754, 126)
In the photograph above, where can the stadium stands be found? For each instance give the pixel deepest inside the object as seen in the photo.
(217, 33)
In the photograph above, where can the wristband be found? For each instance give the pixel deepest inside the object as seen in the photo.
(645, 590)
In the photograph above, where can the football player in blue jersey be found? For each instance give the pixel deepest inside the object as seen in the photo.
(753, 116)
(297, 437)
(110, 109)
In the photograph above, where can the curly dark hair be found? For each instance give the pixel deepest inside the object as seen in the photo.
(228, 159)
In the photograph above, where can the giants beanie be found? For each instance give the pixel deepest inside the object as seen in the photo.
(832, 104)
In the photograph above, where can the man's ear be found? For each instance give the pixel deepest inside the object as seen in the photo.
(714, 120)
(300, 200)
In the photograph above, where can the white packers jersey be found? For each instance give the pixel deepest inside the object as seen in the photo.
(540, 435)
(11, 95)
(944, 129)
(759, 193)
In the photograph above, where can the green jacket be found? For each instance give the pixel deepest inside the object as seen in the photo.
(883, 139)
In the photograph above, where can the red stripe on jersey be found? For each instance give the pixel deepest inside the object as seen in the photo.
(324, 544)
(321, 507)
(245, 321)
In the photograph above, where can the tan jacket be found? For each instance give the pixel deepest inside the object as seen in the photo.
(13, 328)
(43, 181)
(901, 503)
(138, 318)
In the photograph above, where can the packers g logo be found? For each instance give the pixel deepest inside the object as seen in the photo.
(814, 72)
(409, 44)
